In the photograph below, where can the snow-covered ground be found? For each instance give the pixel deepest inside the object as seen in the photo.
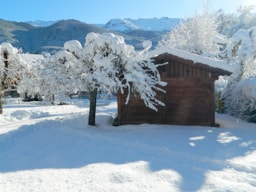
(48, 148)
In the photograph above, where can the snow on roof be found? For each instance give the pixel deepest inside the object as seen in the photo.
(194, 57)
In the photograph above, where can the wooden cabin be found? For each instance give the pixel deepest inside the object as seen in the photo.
(189, 97)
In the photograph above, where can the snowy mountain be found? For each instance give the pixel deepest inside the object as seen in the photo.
(154, 24)
(120, 25)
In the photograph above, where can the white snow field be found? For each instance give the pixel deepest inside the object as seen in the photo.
(46, 148)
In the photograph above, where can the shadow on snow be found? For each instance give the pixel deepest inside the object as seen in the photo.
(70, 143)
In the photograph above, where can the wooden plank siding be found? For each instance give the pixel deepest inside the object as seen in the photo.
(189, 97)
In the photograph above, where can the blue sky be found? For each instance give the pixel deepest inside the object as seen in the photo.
(100, 11)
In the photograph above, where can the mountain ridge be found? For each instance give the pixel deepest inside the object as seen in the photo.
(145, 24)
(36, 39)
(126, 24)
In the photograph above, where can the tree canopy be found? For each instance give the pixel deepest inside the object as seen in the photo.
(105, 63)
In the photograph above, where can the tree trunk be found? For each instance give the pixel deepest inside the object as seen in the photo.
(52, 99)
(92, 111)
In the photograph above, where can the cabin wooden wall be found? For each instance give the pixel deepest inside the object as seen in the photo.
(189, 97)
(187, 103)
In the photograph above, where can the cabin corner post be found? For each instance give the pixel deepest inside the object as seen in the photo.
(118, 120)
(1, 103)
(213, 104)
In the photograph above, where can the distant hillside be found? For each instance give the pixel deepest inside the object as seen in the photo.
(7, 29)
(39, 39)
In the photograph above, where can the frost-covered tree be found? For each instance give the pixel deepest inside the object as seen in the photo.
(198, 34)
(241, 52)
(30, 84)
(229, 24)
(55, 73)
(11, 68)
(106, 63)
(117, 66)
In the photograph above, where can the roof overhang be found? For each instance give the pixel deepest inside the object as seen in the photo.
(217, 67)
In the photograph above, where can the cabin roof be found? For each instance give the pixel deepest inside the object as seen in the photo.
(206, 62)
(215, 72)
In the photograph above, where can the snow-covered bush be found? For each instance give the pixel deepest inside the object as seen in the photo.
(243, 100)
(240, 52)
